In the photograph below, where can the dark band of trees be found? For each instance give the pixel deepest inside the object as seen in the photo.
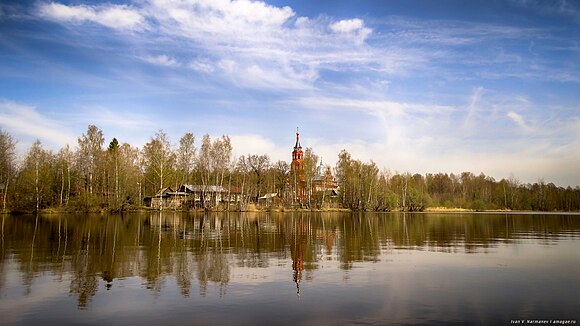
(117, 176)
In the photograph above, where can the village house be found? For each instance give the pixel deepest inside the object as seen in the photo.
(211, 195)
(320, 191)
(269, 200)
(193, 196)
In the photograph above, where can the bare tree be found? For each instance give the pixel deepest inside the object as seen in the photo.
(65, 161)
(222, 156)
(205, 165)
(310, 171)
(159, 160)
(186, 157)
(243, 169)
(258, 166)
(90, 155)
(130, 173)
(36, 175)
(281, 171)
(7, 163)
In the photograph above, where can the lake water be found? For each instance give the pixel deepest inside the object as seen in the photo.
(289, 269)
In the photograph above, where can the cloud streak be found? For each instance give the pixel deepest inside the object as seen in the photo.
(113, 16)
(27, 123)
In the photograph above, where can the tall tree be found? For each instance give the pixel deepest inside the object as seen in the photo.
(281, 171)
(258, 165)
(36, 176)
(113, 154)
(159, 161)
(221, 156)
(130, 174)
(205, 166)
(7, 164)
(242, 169)
(342, 175)
(65, 161)
(186, 157)
(90, 156)
(310, 171)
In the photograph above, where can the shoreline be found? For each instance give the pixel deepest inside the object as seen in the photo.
(51, 211)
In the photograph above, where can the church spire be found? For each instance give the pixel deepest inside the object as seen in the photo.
(297, 146)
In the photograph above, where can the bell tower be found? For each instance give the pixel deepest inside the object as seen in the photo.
(297, 154)
(297, 170)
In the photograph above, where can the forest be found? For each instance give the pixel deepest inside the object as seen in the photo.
(97, 175)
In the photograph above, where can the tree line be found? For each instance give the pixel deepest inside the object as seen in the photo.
(98, 175)
(365, 187)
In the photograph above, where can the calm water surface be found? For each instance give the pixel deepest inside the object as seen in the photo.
(289, 268)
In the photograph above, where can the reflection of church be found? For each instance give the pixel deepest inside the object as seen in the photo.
(297, 251)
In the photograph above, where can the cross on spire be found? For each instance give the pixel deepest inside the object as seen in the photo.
(297, 146)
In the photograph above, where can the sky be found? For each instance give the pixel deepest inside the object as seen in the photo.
(487, 87)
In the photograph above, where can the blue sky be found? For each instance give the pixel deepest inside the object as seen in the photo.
(418, 86)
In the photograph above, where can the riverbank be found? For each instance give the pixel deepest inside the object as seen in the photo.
(467, 210)
(254, 209)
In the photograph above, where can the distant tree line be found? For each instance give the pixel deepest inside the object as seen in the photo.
(99, 175)
(365, 187)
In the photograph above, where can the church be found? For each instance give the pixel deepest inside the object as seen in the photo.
(317, 186)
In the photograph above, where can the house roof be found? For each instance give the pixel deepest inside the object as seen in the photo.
(163, 192)
(201, 188)
(269, 196)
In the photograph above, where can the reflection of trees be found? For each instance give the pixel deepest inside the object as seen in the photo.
(212, 260)
(96, 250)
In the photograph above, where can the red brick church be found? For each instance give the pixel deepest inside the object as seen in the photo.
(322, 182)
(297, 180)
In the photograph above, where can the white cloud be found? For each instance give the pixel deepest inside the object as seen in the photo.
(113, 16)
(161, 60)
(518, 119)
(219, 21)
(27, 124)
(347, 25)
(351, 26)
(202, 66)
(287, 51)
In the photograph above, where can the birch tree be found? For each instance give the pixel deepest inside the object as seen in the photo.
(186, 157)
(65, 162)
(159, 161)
(310, 171)
(130, 174)
(35, 177)
(221, 156)
(7, 164)
(90, 155)
(205, 165)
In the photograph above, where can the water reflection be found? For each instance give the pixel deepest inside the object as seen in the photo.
(92, 253)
